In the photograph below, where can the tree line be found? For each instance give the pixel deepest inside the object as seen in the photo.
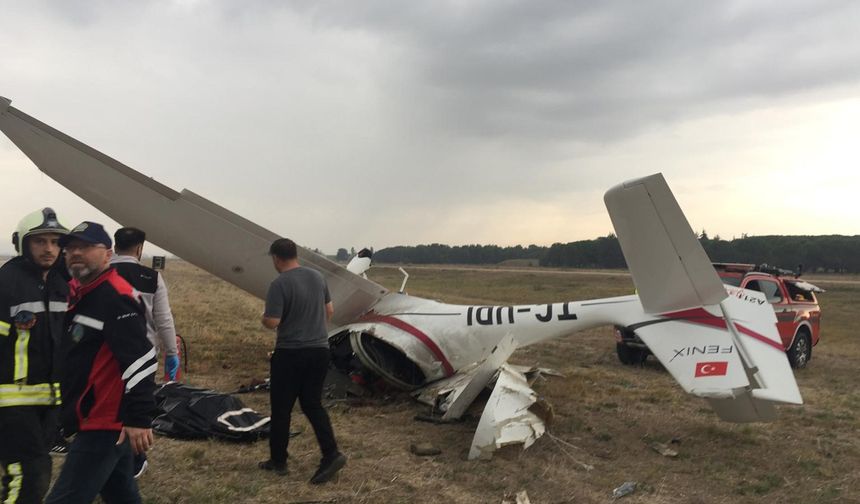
(828, 253)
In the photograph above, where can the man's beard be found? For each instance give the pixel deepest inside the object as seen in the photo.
(80, 272)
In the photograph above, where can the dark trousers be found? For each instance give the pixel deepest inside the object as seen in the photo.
(26, 436)
(95, 465)
(299, 374)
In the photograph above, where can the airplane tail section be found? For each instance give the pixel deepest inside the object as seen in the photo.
(720, 343)
(669, 266)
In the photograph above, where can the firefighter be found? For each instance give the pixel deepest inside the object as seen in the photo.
(33, 302)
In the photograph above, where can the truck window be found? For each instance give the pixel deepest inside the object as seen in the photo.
(733, 281)
(798, 294)
(769, 288)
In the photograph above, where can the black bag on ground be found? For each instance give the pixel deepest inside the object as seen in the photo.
(195, 413)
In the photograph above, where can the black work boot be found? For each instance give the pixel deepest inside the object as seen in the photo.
(270, 465)
(328, 468)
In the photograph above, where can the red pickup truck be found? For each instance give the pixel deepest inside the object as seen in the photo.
(798, 316)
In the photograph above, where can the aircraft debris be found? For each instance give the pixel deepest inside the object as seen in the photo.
(452, 396)
(534, 372)
(522, 498)
(626, 488)
(506, 418)
(561, 443)
(663, 449)
(424, 449)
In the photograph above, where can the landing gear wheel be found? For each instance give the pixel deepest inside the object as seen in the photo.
(800, 351)
(630, 356)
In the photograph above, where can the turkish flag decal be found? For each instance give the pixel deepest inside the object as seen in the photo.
(712, 368)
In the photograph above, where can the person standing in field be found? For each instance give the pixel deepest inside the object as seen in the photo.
(160, 330)
(107, 380)
(298, 305)
(128, 249)
(33, 301)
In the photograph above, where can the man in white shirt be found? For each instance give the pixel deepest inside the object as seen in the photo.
(128, 247)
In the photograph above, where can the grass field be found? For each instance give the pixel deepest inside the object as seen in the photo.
(605, 415)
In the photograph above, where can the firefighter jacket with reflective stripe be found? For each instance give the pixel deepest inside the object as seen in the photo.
(109, 373)
(30, 358)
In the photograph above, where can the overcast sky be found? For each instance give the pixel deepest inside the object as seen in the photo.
(382, 123)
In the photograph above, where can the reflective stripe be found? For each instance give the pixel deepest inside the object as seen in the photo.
(43, 394)
(89, 322)
(4, 328)
(138, 364)
(21, 359)
(15, 485)
(38, 307)
(140, 376)
(58, 306)
(32, 306)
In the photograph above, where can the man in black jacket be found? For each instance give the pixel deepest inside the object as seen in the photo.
(33, 296)
(108, 378)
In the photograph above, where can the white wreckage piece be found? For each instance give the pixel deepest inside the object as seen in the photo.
(507, 419)
(452, 396)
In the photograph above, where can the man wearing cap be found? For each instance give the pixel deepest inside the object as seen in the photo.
(33, 294)
(108, 376)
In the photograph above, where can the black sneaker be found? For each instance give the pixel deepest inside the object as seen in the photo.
(269, 465)
(328, 469)
(140, 465)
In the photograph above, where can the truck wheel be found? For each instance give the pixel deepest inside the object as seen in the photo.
(630, 356)
(800, 351)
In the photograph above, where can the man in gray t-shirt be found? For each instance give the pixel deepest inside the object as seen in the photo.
(297, 305)
(299, 300)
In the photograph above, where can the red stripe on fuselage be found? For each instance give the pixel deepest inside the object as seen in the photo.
(403, 326)
(702, 317)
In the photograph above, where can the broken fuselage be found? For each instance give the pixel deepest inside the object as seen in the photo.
(410, 341)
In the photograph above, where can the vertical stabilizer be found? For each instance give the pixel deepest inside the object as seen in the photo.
(669, 266)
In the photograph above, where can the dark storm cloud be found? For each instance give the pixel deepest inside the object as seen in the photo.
(394, 122)
(602, 70)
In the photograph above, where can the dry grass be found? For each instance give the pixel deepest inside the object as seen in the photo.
(606, 415)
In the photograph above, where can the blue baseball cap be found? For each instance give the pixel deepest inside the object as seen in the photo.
(90, 232)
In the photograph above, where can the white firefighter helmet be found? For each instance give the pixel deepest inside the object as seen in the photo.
(38, 222)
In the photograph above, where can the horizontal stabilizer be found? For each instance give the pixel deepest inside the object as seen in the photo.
(695, 347)
(730, 355)
(754, 329)
(670, 269)
(190, 226)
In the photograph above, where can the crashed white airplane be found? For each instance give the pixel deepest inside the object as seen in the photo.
(719, 342)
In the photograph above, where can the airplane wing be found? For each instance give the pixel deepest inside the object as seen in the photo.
(190, 226)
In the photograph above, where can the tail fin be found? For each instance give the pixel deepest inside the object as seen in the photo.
(718, 342)
(669, 266)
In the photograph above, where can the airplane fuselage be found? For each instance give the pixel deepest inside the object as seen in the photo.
(441, 338)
